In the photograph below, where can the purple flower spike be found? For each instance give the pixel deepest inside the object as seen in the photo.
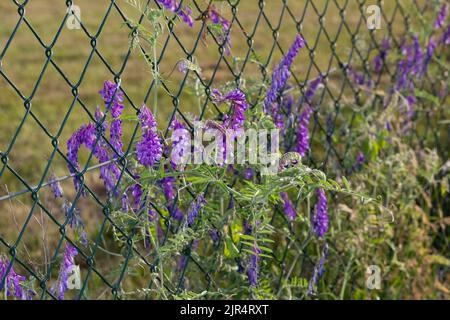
(67, 265)
(183, 12)
(302, 146)
(195, 208)
(320, 216)
(313, 86)
(13, 282)
(56, 187)
(281, 73)
(253, 266)
(149, 149)
(318, 272)
(442, 16)
(288, 207)
(113, 98)
(167, 184)
(381, 58)
(239, 105)
(216, 18)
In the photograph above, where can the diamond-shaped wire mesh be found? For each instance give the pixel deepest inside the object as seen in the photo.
(70, 65)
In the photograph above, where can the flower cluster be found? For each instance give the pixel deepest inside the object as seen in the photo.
(67, 265)
(302, 146)
(195, 209)
(56, 187)
(281, 73)
(253, 266)
(149, 148)
(12, 282)
(288, 207)
(183, 12)
(225, 25)
(320, 216)
(234, 120)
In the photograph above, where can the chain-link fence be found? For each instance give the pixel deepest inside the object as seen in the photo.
(338, 40)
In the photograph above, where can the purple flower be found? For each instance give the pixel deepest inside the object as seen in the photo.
(99, 115)
(176, 213)
(13, 282)
(238, 106)
(86, 135)
(136, 191)
(184, 12)
(195, 208)
(318, 271)
(381, 57)
(442, 16)
(281, 73)
(56, 187)
(288, 207)
(167, 184)
(302, 146)
(73, 218)
(113, 98)
(253, 266)
(216, 18)
(313, 86)
(115, 133)
(320, 215)
(411, 66)
(149, 148)
(358, 77)
(445, 38)
(360, 159)
(431, 47)
(124, 202)
(67, 265)
(248, 173)
(181, 144)
(215, 236)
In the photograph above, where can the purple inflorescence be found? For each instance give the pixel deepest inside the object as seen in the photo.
(87, 135)
(136, 191)
(302, 146)
(195, 209)
(381, 57)
(312, 88)
(216, 18)
(74, 221)
(13, 282)
(431, 47)
(181, 143)
(167, 185)
(320, 216)
(149, 148)
(67, 265)
(56, 187)
(239, 105)
(113, 98)
(281, 73)
(318, 271)
(253, 266)
(442, 16)
(288, 207)
(183, 12)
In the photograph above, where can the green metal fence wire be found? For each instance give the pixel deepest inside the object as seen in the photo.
(335, 67)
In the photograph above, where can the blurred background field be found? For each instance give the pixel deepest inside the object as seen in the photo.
(329, 43)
